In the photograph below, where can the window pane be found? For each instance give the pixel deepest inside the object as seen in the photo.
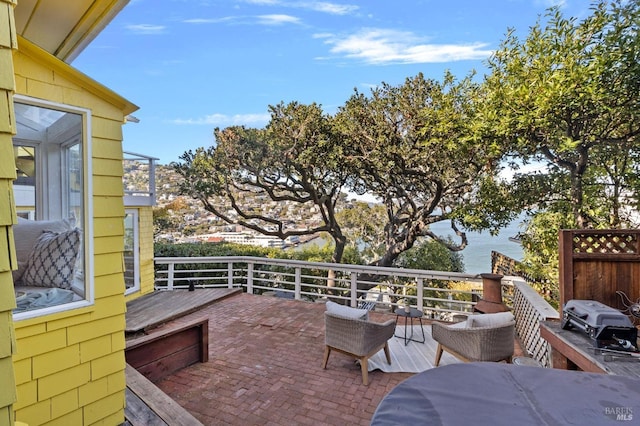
(50, 189)
(24, 187)
(129, 251)
(74, 182)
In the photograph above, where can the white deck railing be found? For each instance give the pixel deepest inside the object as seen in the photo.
(140, 187)
(444, 294)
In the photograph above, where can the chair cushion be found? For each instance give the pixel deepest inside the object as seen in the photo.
(26, 233)
(461, 324)
(52, 260)
(490, 320)
(347, 311)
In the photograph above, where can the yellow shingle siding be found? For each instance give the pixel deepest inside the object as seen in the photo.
(107, 227)
(8, 42)
(147, 274)
(70, 365)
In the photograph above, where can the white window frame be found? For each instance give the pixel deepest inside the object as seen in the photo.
(135, 216)
(87, 224)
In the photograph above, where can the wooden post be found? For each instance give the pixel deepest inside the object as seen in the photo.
(565, 266)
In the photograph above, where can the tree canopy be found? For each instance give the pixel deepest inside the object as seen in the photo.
(413, 147)
(567, 98)
(293, 159)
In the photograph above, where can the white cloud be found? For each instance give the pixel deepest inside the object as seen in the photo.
(326, 7)
(277, 19)
(384, 46)
(146, 28)
(274, 19)
(224, 120)
(318, 6)
(264, 2)
(209, 20)
(550, 3)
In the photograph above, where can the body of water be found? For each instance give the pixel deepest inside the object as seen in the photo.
(477, 254)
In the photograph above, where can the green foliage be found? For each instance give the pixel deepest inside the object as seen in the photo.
(280, 163)
(431, 255)
(434, 256)
(540, 244)
(404, 144)
(363, 225)
(567, 97)
(213, 250)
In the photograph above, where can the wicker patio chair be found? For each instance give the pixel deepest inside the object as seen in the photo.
(477, 339)
(358, 338)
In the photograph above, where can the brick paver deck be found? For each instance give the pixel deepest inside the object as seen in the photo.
(265, 369)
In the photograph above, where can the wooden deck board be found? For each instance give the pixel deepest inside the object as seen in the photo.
(138, 412)
(148, 405)
(157, 308)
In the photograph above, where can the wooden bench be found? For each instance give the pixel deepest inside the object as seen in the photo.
(169, 348)
(147, 405)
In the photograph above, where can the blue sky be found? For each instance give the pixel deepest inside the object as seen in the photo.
(194, 65)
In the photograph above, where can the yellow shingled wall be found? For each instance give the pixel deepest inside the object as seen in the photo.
(147, 275)
(8, 42)
(69, 366)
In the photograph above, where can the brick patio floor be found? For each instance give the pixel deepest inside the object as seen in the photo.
(265, 369)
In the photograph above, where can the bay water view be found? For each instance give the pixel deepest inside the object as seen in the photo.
(477, 254)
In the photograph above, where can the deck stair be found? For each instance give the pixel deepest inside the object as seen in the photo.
(147, 405)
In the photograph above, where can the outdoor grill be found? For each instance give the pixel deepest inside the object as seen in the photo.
(606, 326)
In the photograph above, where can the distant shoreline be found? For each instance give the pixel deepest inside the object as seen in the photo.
(477, 254)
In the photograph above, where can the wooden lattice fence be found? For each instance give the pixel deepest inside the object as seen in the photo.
(596, 264)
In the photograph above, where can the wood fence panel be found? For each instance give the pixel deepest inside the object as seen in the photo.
(596, 264)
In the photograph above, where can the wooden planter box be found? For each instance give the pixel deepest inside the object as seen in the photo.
(170, 348)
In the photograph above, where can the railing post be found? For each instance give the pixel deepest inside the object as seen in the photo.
(354, 289)
(420, 294)
(152, 181)
(298, 284)
(250, 278)
(170, 276)
(230, 274)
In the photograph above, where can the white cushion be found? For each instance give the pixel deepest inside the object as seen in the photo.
(52, 260)
(461, 324)
(347, 311)
(26, 233)
(490, 320)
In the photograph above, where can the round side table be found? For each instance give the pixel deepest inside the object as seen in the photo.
(410, 316)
